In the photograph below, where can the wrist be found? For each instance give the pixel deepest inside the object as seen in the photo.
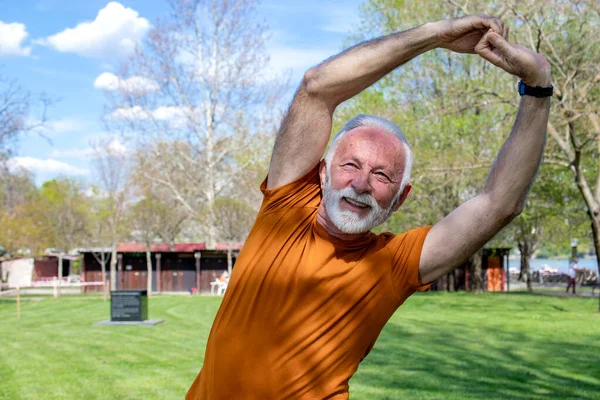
(542, 79)
(431, 33)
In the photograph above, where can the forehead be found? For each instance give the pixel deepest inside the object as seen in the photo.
(372, 145)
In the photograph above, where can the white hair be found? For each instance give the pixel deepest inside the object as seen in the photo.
(364, 120)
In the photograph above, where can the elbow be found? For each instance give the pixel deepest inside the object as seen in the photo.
(510, 215)
(517, 210)
(314, 86)
(310, 83)
(505, 211)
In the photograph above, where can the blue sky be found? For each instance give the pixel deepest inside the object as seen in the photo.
(44, 45)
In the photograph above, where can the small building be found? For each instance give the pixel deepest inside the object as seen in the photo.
(494, 271)
(182, 268)
(23, 272)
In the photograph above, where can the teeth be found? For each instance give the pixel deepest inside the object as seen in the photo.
(356, 203)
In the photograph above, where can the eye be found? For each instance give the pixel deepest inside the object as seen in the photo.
(382, 175)
(351, 165)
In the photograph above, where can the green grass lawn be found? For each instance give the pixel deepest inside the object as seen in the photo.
(437, 346)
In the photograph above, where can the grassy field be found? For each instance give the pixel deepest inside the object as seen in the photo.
(437, 346)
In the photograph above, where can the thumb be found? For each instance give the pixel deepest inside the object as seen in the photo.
(493, 48)
(499, 42)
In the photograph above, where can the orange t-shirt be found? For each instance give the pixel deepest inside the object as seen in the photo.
(303, 308)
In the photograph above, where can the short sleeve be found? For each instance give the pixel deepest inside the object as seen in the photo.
(406, 254)
(303, 192)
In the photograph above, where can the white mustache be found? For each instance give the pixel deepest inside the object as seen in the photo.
(364, 198)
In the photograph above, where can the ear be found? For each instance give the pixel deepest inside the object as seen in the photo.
(403, 196)
(322, 171)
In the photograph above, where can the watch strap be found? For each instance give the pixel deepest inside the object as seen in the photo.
(535, 91)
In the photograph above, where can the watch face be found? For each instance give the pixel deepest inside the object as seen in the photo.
(521, 88)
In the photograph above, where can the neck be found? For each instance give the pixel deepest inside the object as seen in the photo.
(324, 220)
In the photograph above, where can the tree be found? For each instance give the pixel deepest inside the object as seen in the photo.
(144, 220)
(65, 212)
(16, 108)
(22, 230)
(564, 32)
(544, 211)
(152, 219)
(194, 109)
(111, 169)
(234, 219)
(15, 187)
(99, 232)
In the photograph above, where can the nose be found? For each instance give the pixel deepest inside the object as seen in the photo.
(360, 182)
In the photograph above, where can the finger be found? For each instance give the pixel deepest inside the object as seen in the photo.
(497, 25)
(506, 32)
(475, 22)
(484, 50)
(499, 42)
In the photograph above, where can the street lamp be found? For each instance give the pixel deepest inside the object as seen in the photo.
(574, 243)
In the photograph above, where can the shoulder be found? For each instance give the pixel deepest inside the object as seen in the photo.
(303, 192)
(411, 238)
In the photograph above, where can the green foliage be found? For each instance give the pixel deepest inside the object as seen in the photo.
(65, 212)
(457, 110)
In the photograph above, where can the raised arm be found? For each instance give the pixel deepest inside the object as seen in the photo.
(452, 240)
(305, 130)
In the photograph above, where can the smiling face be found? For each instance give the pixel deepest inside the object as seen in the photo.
(362, 183)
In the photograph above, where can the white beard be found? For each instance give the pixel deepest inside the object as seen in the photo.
(348, 221)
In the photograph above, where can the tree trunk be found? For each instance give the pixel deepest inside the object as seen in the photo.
(60, 274)
(476, 258)
(103, 265)
(596, 235)
(229, 257)
(525, 269)
(524, 250)
(113, 268)
(149, 267)
(451, 281)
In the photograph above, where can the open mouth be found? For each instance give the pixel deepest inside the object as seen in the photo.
(356, 203)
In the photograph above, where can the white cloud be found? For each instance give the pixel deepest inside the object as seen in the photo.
(73, 153)
(130, 113)
(115, 31)
(62, 125)
(114, 145)
(135, 84)
(164, 113)
(169, 113)
(48, 166)
(11, 39)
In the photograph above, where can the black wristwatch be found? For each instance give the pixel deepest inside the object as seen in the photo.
(535, 91)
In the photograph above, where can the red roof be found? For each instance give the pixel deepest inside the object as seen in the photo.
(164, 248)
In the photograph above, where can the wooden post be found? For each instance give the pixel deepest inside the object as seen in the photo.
(120, 276)
(55, 286)
(106, 283)
(18, 302)
(507, 273)
(158, 273)
(197, 256)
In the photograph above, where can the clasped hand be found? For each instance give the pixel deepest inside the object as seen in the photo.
(488, 37)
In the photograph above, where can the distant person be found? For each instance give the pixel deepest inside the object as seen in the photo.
(313, 287)
(224, 277)
(572, 274)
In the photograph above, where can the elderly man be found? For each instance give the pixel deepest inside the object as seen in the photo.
(313, 287)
